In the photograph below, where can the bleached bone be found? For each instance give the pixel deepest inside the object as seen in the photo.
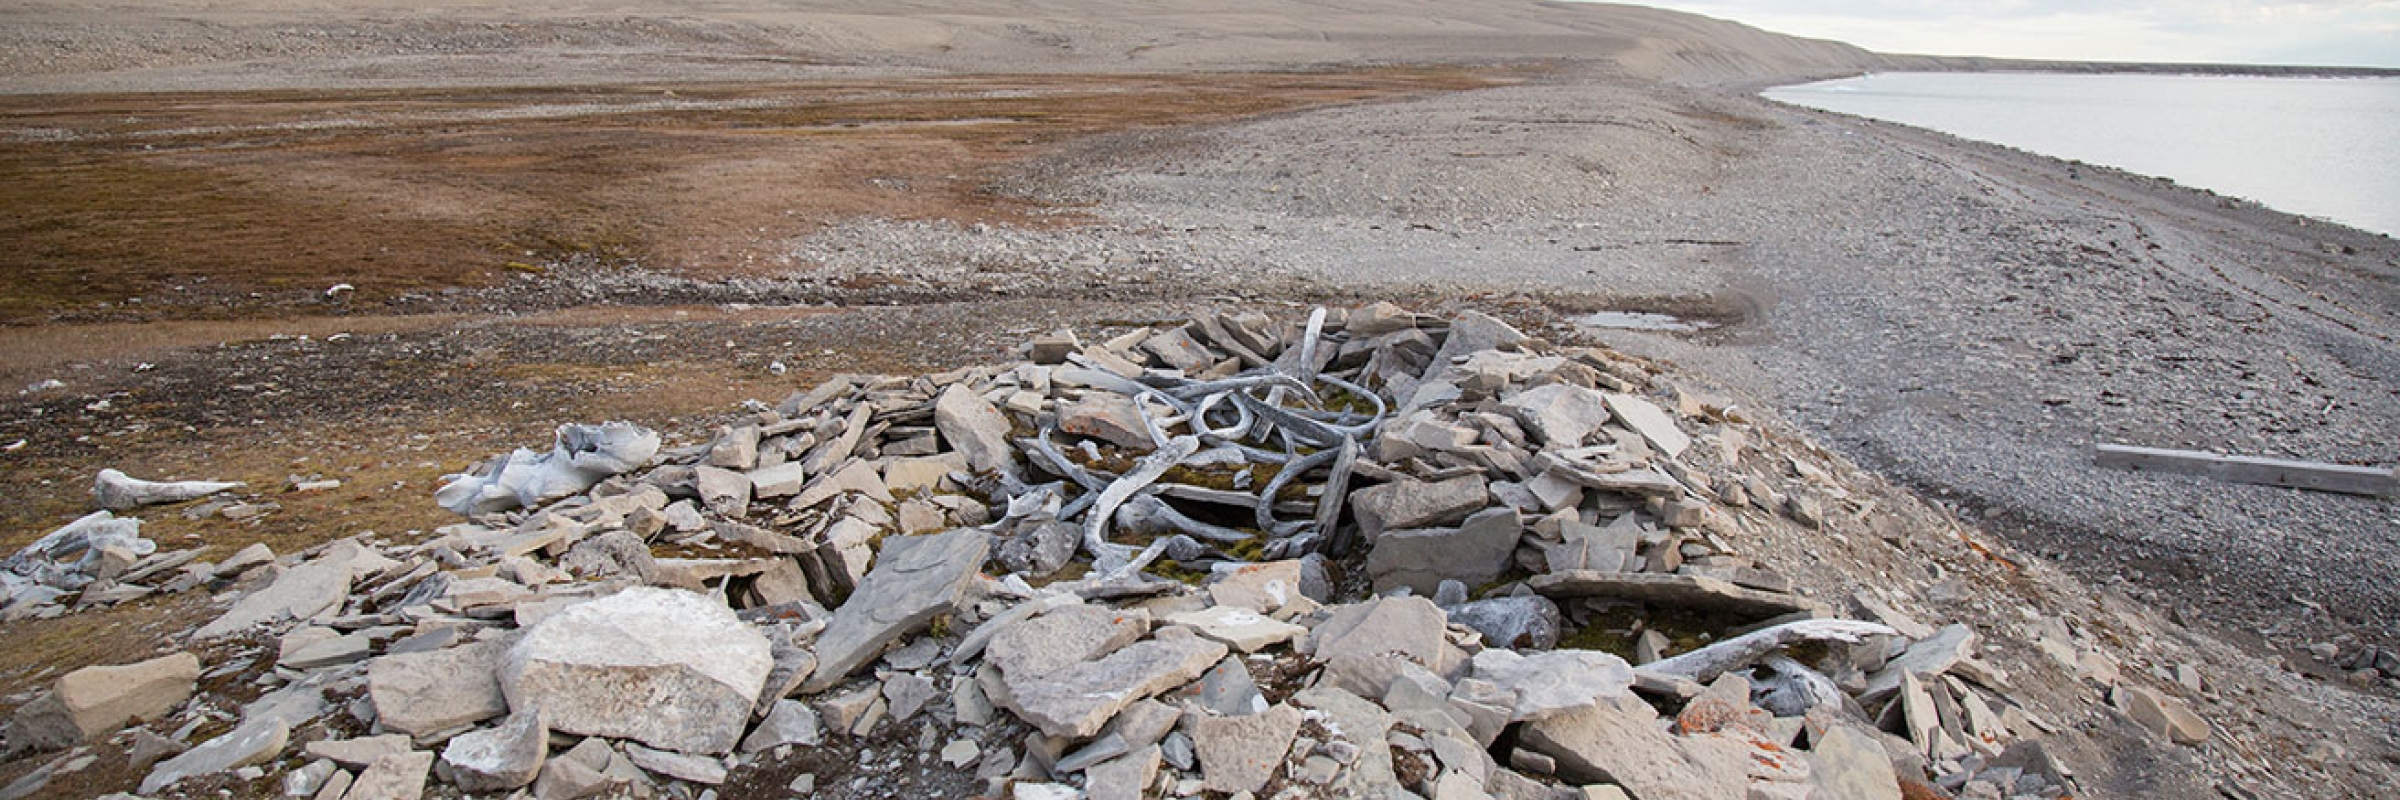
(1705, 664)
(117, 491)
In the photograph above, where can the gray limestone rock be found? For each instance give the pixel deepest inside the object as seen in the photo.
(1654, 424)
(1927, 658)
(254, 742)
(1475, 553)
(1406, 504)
(791, 722)
(1603, 743)
(97, 701)
(1563, 415)
(973, 427)
(1690, 591)
(499, 759)
(1557, 682)
(906, 694)
(1077, 699)
(1240, 754)
(697, 769)
(1849, 763)
(300, 592)
(359, 752)
(915, 579)
(1126, 777)
(1529, 622)
(1409, 627)
(669, 668)
(724, 491)
(1108, 417)
(393, 777)
(1229, 691)
(426, 693)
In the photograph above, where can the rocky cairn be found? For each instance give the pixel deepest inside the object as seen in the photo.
(1368, 553)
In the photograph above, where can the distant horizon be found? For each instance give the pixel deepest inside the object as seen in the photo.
(2339, 33)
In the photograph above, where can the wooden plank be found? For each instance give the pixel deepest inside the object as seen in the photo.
(2314, 476)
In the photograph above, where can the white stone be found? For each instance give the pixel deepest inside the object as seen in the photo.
(1240, 628)
(668, 668)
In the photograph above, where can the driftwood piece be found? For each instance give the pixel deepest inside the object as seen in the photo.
(2311, 475)
(1705, 664)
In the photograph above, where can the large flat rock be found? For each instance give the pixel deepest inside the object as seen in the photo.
(96, 701)
(1076, 700)
(914, 579)
(426, 693)
(1602, 743)
(669, 668)
(1475, 553)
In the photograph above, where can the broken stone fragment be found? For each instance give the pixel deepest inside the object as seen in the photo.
(1416, 504)
(116, 491)
(668, 668)
(97, 701)
(1475, 553)
(681, 766)
(791, 722)
(1408, 627)
(975, 429)
(1264, 588)
(2168, 717)
(1109, 417)
(393, 777)
(1528, 622)
(1848, 762)
(1077, 699)
(1238, 627)
(254, 742)
(1654, 424)
(1563, 416)
(915, 579)
(1670, 590)
(1557, 682)
(302, 592)
(1604, 742)
(724, 491)
(1927, 658)
(1240, 754)
(426, 693)
(499, 759)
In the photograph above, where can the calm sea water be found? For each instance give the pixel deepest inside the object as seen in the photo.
(2321, 147)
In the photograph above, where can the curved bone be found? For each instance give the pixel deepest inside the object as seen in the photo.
(1144, 472)
(1290, 472)
(1146, 513)
(1705, 664)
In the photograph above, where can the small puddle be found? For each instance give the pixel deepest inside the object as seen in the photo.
(1643, 321)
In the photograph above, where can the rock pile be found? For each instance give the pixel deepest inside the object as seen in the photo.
(1368, 554)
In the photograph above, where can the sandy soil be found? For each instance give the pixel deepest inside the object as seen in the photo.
(585, 210)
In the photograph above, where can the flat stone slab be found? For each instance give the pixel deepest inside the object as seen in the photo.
(425, 693)
(1684, 591)
(1076, 700)
(915, 579)
(1557, 682)
(1238, 627)
(1240, 754)
(97, 701)
(672, 669)
(256, 742)
(1602, 743)
(1475, 553)
(1926, 658)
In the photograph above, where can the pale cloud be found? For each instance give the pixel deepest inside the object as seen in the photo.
(2335, 32)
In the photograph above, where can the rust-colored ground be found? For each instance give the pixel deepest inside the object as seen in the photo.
(185, 205)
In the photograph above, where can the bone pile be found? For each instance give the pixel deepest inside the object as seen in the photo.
(1368, 553)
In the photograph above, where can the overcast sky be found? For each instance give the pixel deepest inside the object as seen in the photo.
(2333, 32)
